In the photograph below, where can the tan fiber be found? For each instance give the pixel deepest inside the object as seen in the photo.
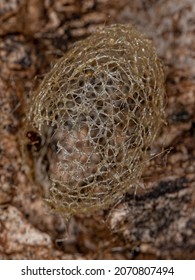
(99, 109)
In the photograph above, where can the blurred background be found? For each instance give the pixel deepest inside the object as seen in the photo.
(158, 222)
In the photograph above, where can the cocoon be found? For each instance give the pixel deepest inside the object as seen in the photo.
(100, 109)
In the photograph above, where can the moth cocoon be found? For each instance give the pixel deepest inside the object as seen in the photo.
(100, 109)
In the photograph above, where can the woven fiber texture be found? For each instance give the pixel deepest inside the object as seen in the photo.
(100, 109)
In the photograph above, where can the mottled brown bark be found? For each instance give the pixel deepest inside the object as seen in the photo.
(158, 221)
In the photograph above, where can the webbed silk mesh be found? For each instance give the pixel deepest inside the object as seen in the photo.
(100, 108)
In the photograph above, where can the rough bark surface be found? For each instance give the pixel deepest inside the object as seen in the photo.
(158, 220)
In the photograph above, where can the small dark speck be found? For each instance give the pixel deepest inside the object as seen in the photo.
(181, 116)
(192, 129)
(25, 62)
(11, 128)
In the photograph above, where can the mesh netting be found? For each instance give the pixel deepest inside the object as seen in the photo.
(100, 109)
